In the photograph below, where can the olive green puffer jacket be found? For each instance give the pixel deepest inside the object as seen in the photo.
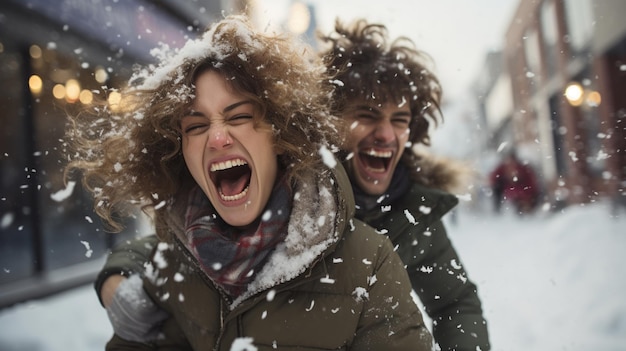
(354, 296)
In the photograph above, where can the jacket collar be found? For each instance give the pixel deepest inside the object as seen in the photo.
(322, 209)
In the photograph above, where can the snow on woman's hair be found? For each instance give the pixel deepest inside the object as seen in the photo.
(127, 154)
(209, 44)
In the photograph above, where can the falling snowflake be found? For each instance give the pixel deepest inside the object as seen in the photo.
(89, 251)
(64, 193)
(425, 209)
(178, 277)
(7, 219)
(425, 269)
(410, 217)
(267, 215)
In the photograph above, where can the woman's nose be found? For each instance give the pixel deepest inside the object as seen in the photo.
(219, 137)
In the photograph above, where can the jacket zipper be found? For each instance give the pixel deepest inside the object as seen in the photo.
(198, 270)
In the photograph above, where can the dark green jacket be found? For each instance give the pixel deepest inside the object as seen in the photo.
(413, 223)
(435, 269)
(355, 296)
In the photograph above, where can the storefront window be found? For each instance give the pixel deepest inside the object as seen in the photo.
(16, 221)
(69, 231)
(55, 56)
(45, 225)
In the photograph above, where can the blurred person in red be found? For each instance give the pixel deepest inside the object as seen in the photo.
(515, 182)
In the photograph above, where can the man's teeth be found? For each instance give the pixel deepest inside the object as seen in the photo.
(234, 197)
(220, 166)
(381, 154)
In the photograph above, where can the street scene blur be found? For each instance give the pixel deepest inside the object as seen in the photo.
(537, 111)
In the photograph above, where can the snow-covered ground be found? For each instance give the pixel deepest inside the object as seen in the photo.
(548, 281)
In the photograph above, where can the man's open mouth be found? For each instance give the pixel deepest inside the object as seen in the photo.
(376, 161)
(231, 178)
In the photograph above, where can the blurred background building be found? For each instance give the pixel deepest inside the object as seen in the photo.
(555, 95)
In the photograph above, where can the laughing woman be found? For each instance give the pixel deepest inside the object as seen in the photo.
(225, 143)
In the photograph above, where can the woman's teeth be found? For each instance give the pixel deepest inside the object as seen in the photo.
(220, 166)
(234, 197)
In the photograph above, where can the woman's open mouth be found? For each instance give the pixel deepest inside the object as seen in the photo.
(375, 161)
(231, 178)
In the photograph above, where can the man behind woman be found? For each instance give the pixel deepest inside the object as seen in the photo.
(389, 98)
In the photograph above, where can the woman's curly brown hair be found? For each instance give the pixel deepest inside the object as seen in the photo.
(131, 153)
(365, 65)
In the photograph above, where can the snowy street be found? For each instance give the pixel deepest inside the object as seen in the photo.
(548, 281)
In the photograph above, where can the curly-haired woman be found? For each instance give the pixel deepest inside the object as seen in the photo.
(226, 143)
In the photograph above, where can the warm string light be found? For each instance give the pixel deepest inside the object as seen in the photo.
(577, 95)
(70, 90)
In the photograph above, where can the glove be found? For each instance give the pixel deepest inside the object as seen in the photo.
(132, 313)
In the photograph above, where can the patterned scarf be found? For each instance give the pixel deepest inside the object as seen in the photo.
(231, 257)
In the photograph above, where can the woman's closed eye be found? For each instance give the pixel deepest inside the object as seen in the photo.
(193, 125)
(194, 128)
(240, 119)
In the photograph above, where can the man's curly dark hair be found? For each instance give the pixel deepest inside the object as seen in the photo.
(365, 65)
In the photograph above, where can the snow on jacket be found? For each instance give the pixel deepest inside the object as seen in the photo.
(354, 296)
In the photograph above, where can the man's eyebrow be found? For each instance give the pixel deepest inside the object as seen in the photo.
(366, 108)
(402, 113)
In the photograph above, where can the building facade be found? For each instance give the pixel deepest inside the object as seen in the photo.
(566, 60)
(54, 56)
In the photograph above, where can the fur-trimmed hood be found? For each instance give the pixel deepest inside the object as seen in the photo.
(443, 173)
